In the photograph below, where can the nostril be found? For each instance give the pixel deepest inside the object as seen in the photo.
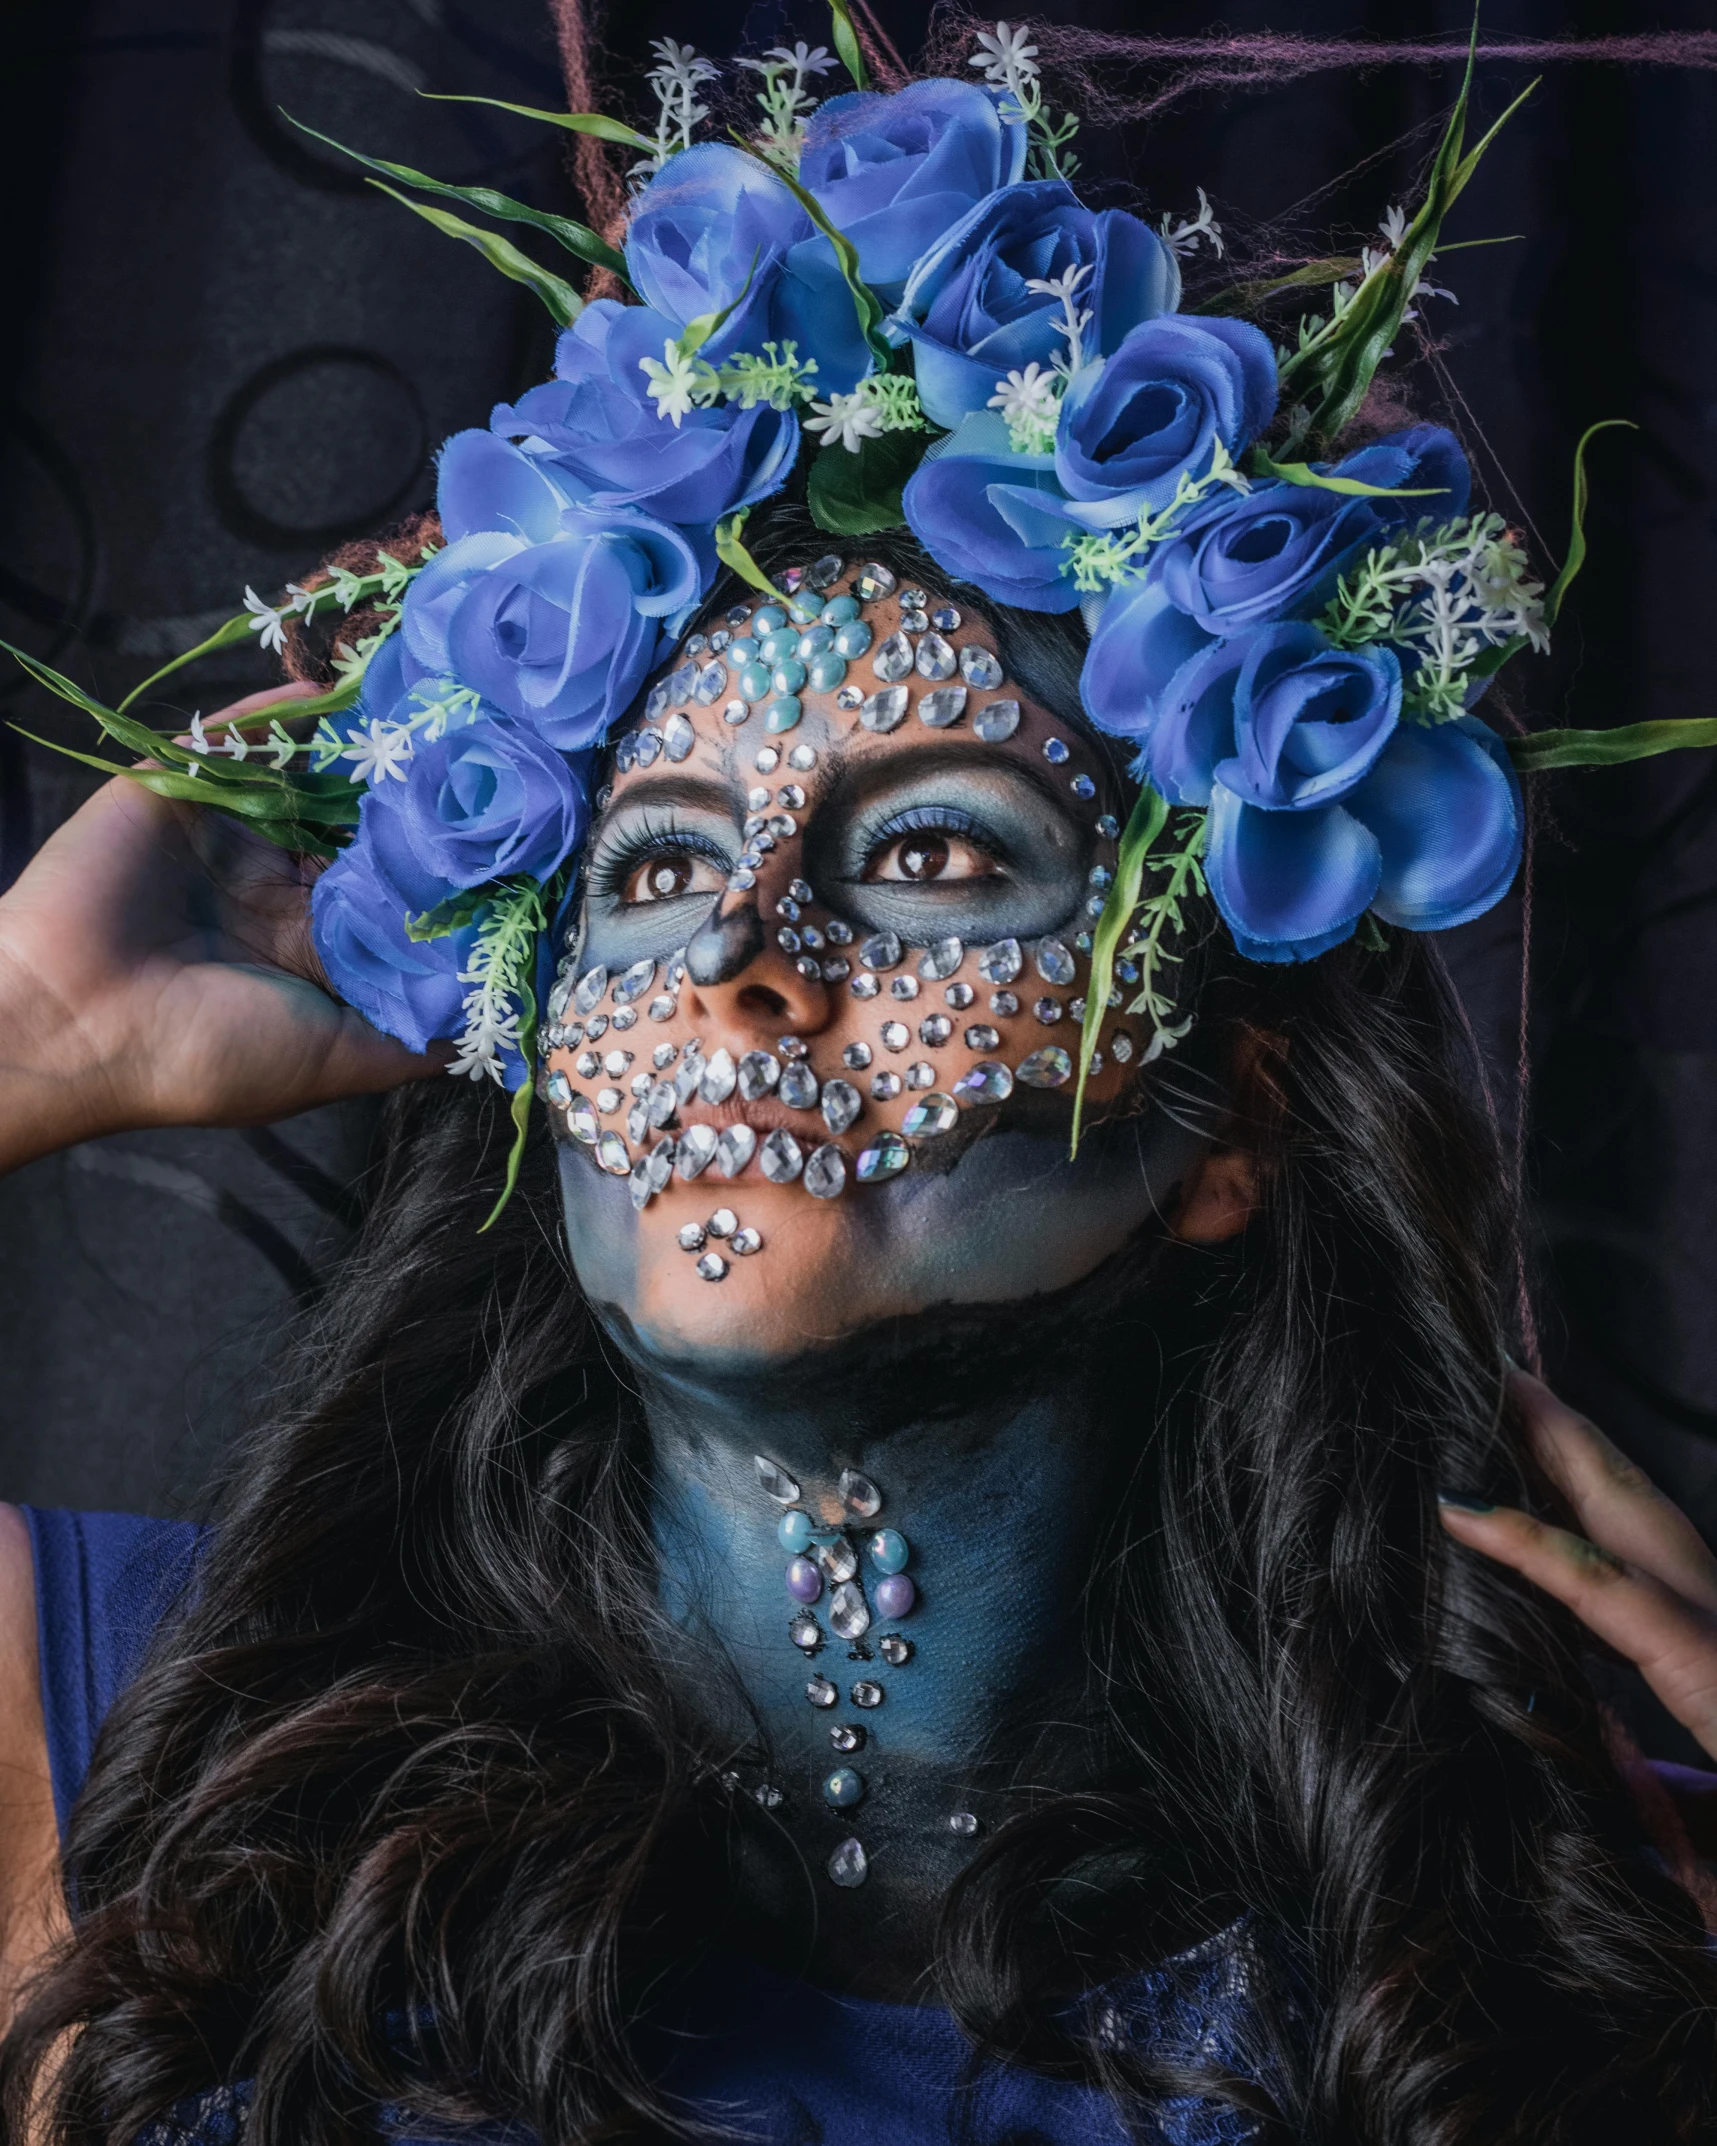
(759, 999)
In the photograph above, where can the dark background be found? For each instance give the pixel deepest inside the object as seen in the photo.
(223, 354)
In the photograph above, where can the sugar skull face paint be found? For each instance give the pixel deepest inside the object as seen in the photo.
(827, 997)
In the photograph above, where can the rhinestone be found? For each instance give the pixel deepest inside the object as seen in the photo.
(740, 615)
(661, 1103)
(661, 1164)
(838, 1559)
(823, 573)
(591, 986)
(1096, 1065)
(964, 1823)
(934, 1030)
(581, 1122)
(821, 1692)
(716, 1082)
(1054, 962)
(734, 1148)
(848, 1866)
(849, 1612)
(662, 1008)
(611, 1154)
(841, 1104)
(782, 1157)
(1121, 1046)
(857, 1056)
(996, 721)
(637, 1121)
(641, 1084)
(626, 1018)
(903, 987)
(690, 1072)
(826, 1173)
(837, 971)
(915, 621)
(559, 1088)
(787, 939)
(895, 1651)
(758, 798)
(881, 951)
(608, 1101)
(769, 1796)
(892, 661)
(895, 1035)
(664, 1055)
(647, 747)
(1094, 907)
(636, 981)
(886, 1158)
(742, 881)
(746, 1241)
(1047, 1068)
(959, 996)
(625, 754)
(936, 660)
(1109, 827)
(719, 640)
(945, 618)
(798, 1089)
(874, 580)
(723, 1223)
(884, 1087)
(859, 1495)
(559, 998)
(847, 1737)
(807, 968)
(850, 697)
(942, 708)
(864, 987)
(787, 907)
(775, 1482)
(791, 1046)
(867, 1694)
(978, 666)
(791, 797)
(711, 685)
(1001, 963)
(885, 710)
(805, 1632)
(941, 958)
(1047, 1010)
(921, 1075)
(1083, 786)
(735, 712)
(696, 1151)
(935, 1113)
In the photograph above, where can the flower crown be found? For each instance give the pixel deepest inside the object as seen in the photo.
(897, 304)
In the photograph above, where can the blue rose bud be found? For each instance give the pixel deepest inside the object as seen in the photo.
(895, 172)
(992, 517)
(406, 988)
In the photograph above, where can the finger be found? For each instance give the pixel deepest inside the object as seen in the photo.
(1671, 1641)
(1616, 1503)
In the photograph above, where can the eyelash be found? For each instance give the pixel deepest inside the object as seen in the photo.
(610, 871)
(932, 819)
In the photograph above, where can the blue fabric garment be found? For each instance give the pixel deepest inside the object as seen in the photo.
(772, 2059)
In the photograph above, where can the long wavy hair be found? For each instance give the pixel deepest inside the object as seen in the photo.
(402, 1809)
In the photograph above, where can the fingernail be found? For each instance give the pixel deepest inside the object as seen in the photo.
(1462, 1503)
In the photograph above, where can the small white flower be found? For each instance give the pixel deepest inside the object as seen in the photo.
(1394, 226)
(1005, 55)
(1184, 237)
(802, 58)
(236, 747)
(680, 65)
(267, 621)
(1028, 395)
(303, 600)
(378, 751)
(672, 383)
(284, 747)
(851, 419)
(199, 736)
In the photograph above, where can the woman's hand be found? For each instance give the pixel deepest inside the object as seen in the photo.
(1639, 1577)
(156, 969)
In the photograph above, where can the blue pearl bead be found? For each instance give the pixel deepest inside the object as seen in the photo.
(888, 1550)
(794, 1533)
(854, 638)
(828, 671)
(782, 714)
(839, 609)
(741, 652)
(843, 1788)
(769, 618)
(813, 641)
(788, 675)
(754, 681)
(775, 647)
(807, 609)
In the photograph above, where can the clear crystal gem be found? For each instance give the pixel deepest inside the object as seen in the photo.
(718, 1079)
(996, 721)
(595, 1026)
(885, 710)
(821, 1692)
(979, 667)
(758, 1073)
(696, 1151)
(636, 981)
(661, 1103)
(799, 1086)
(884, 1087)
(895, 1035)
(1108, 827)
(637, 1120)
(746, 1241)
(864, 987)
(837, 969)
(849, 1866)
(1001, 963)
(608, 1101)
(943, 707)
(880, 951)
(722, 1223)
(895, 1651)
(735, 711)
(734, 1148)
(847, 1737)
(857, 1056)
(865, 1693)
(559, 1088)
(859, 1495)
(688, 1074)
(581, 1122)
(788, 940)
(841, 1100)
(646, 748)
(664, 1055)
(886, 1157)
(1054, 962)
(903, 987)
(892, 660)
(921, 1075)
(826, 1172)
(614, 1063)
(691, 1237)
(1047, 1010)
(875, 580)
(591, 986)
(982, 1037)
(965, 1823)
(805, 1632)
(838, 1559)
(711, 685)
(803, 757)
(1121, 1046)
(959, 996)
(767, 761)
(849, 1612)
(850, 697)
(791, 797)
(936, 660)
(823, 573)
(1048, 1068)
(941, 958)
(774, 1481)
(932, 1114)
(934, 1030)
(782, 1157)
(915, 621)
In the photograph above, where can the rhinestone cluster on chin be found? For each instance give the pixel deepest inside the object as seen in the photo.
(766, 653)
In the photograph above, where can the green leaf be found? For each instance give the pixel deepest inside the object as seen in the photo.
(1544, 749)
(228, 636)
(1147, 821)
(733, 555)
(1264, 465)
(577, 238)
(858, 494)
(305, 835)
(597, 123)
(847, 44)
(696, 332)
(453, 914)
(865, 301)
(1576, 558)
(563, 302)
(1247, 297)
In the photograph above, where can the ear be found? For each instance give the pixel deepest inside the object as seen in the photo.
(1222, 1194)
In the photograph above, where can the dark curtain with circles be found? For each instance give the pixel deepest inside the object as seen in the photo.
(227, 353)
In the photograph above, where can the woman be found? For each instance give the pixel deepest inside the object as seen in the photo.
(896, 1617)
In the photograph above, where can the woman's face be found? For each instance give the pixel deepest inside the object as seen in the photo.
(828, 1075)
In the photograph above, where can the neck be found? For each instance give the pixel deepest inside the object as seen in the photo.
(989, 1440)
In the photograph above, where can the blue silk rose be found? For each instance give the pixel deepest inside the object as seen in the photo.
(406, 988)
(894, 172)
(598, 429)
(969, 312)
(717, 228)
(1321, 804)
(1174, 389)
(993, 517)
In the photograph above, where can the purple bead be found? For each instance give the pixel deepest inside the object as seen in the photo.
(894, 1596)
(804, 1581)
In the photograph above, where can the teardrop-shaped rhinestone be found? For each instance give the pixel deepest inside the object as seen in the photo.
(641, 1186)
(636, 981)
(935, 658)
(711, 685)
(1001, 963)
(940, 959)
(758, 1073)
(734, 1148)
(782, 1158)
(774, 1481)
(558, 1088)
(826, 1172)
(841, 1104)
(886, 1156)
(941, 709)
(931, 1114)
(875, 580)
(661, 1164)
(1054, 962)
(678, 736)
(798, 1089)
(687, 1075)
(1049, 1068)
(581, 1121)
(611, 1153)
(823, 573)
(859, 1494)
(838, 1559)
(880, 951)
(996, 720)
(719, 1077)
(696, 1151)
(892, 661)
(885, 710)
(591, 986)
(980, 667)
(662, 1103)
(849, 1612)
(849, 1866)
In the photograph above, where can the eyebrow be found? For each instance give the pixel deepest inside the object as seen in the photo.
(857, 780)
(697, 791)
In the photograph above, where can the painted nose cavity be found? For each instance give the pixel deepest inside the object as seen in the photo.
(724, 944)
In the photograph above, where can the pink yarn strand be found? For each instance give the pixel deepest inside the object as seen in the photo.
(598, 185)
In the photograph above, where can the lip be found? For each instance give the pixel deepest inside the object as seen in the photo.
(763, 1116)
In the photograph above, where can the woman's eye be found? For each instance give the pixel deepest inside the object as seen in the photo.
(669, 875)
(930, 854)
